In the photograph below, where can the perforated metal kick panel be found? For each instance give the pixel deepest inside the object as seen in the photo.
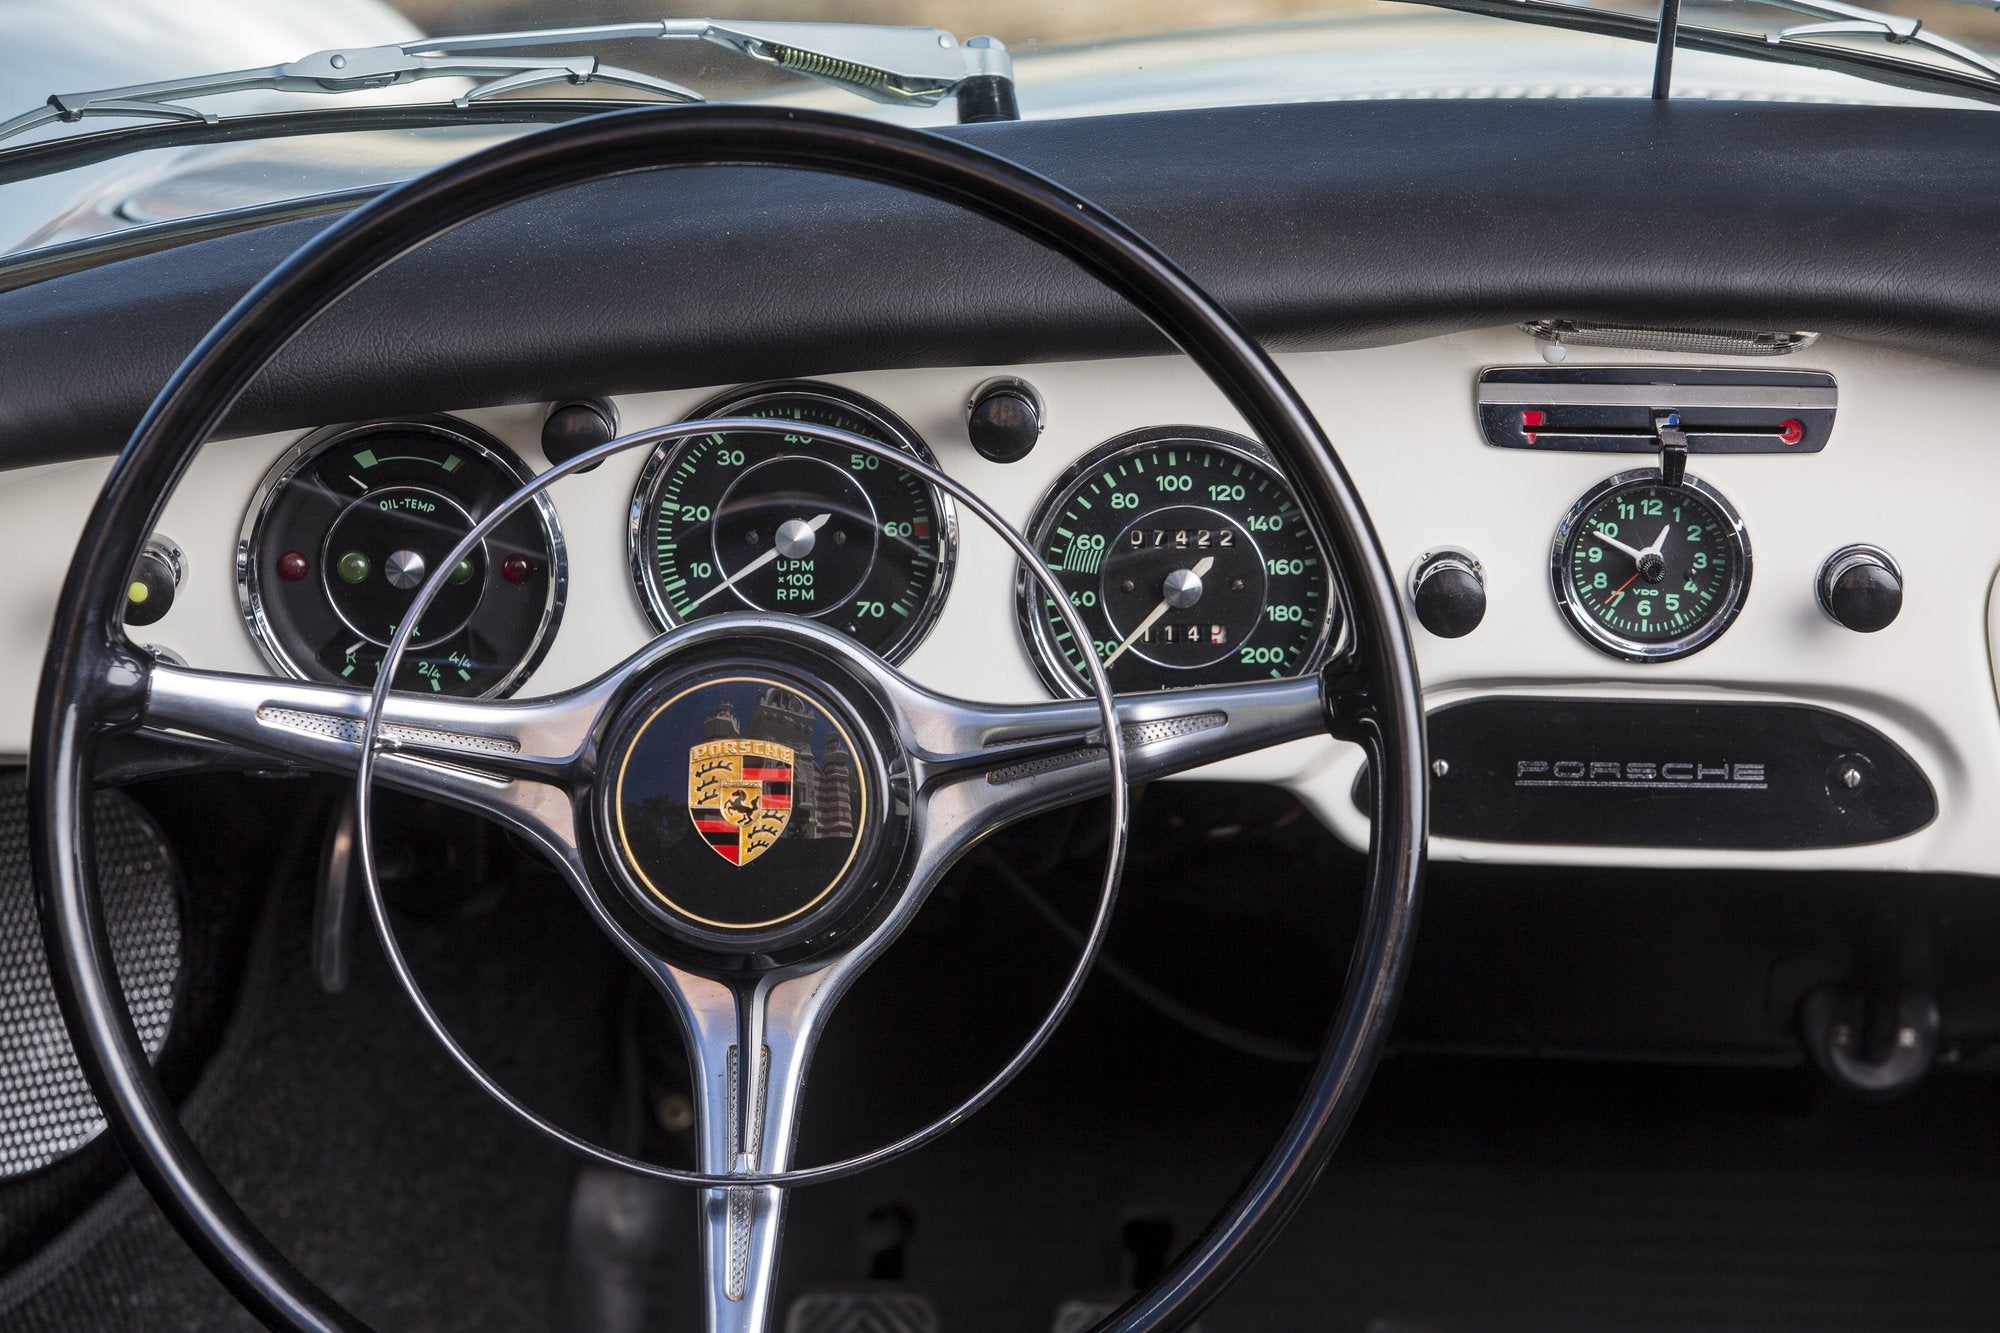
(46, 1110)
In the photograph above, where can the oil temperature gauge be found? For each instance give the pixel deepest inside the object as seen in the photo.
(1650, 572)
(349, 525)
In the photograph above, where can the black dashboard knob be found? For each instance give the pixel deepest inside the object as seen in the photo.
(576, 427)
(1450, 594)
(149, 595)
(1860, 587)
(1004, 420)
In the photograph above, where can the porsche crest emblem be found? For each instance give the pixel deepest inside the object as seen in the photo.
(740, 794)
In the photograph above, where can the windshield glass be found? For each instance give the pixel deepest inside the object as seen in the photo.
(1065, 58)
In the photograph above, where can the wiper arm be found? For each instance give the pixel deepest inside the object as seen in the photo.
(903, 66)
(1840, 19)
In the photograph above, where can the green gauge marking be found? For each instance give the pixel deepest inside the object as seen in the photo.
(1182, 552)
(786, 521)
(1649, 571)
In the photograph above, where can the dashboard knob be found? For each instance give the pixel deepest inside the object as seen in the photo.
(155, 579)
(1449, 592)
(1004, 420)
(576, 427)
(1860, 587)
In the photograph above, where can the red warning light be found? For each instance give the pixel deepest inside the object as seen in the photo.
(516, 569)
(293, 566)
(921, 527)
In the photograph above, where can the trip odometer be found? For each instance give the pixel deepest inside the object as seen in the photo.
(786, 521)
(1650, 572)
(1186, 556)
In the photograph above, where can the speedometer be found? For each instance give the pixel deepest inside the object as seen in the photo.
(1187, 558)
(785, 521)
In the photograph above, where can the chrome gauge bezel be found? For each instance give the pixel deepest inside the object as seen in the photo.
(1598, 635)
(887, 426)
(1048, 660)
(249, 594)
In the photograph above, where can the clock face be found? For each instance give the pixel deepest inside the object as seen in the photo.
(1648, 571)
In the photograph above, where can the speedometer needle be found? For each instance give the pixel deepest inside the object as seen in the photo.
(1201, 567)
(816, 522)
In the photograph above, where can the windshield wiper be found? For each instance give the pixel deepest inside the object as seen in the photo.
(1845, 20)
(900, 66)
(1726, 27)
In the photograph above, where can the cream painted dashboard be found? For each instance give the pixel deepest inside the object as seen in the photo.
(1909, 468)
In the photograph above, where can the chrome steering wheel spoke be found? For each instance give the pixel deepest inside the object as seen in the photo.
(747, 1116)
(978, 767)
(509, 761)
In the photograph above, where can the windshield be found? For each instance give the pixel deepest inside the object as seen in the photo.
(1060, 58)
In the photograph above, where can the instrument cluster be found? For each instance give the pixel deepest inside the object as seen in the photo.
(1182, 549)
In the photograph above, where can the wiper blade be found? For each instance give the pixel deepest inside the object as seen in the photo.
(1839, 19)
(902, 66)
(1700, 27)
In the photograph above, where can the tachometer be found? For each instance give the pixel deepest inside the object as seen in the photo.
(350, 523)
(1189, 561)
(1648, 571)
(782, 520)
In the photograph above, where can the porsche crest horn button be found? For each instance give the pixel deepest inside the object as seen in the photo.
(738, 803)
(740, 793)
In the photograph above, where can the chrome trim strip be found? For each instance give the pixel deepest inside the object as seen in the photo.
(1667, 393)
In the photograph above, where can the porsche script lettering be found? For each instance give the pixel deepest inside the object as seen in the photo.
(1608, 773)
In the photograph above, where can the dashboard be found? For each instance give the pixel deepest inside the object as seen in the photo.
(1577, 682)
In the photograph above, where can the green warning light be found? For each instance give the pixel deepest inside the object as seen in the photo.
(353, 566)
(461, 573)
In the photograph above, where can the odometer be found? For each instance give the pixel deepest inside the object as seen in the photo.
(1187, 558)
(783, 520)
(1648, 571)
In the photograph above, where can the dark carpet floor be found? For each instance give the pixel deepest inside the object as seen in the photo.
(1473, 1194)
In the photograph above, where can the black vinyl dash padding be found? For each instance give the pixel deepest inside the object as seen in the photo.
(1320, 225)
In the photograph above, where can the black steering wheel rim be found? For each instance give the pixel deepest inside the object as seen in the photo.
(94, 679)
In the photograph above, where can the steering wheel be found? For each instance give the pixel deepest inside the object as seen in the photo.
(751, 960)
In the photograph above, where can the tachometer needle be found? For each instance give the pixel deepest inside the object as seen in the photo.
(1201, 567)
(816, 522)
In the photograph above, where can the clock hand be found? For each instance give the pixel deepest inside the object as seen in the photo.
(1609, 540)
(1659, 542)
(1201, 567)
(816, 522)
